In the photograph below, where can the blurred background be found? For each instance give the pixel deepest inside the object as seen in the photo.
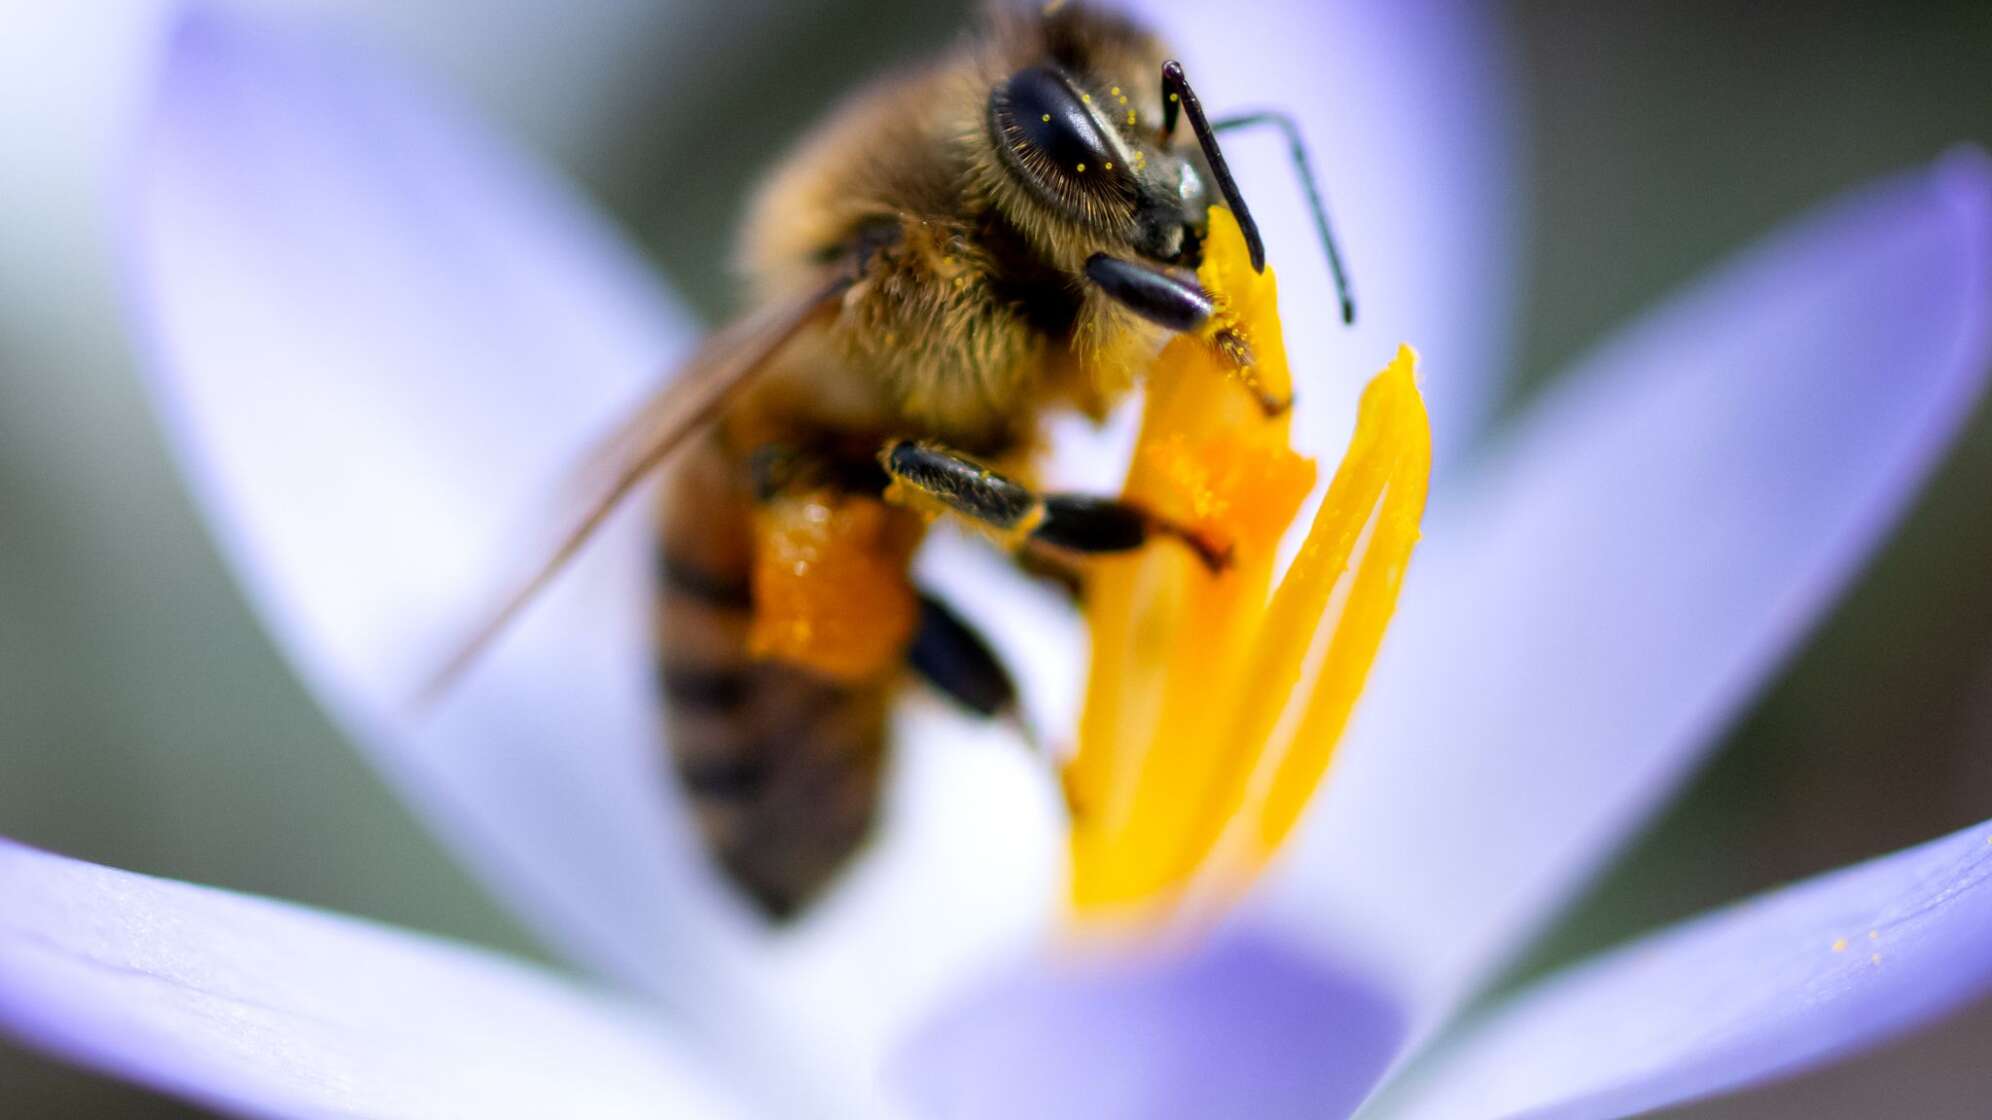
(147, 723)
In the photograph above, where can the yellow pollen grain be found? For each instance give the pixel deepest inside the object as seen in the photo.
(1046, 118)
(1086, 97)
(1174, 97)
(1116, 91)
(1839, 944)
(1875, 959)
(1874, 935)
(1110, 165)
(1082, 167)
(1130, 116)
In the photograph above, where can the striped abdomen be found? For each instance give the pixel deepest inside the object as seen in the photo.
(781, 767)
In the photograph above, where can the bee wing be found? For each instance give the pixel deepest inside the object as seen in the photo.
(685, 404)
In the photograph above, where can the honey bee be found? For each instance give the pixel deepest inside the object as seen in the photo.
(1009, 229)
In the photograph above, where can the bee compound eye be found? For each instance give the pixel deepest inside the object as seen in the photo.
(1042, 124)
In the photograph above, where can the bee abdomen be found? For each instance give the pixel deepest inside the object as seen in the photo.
(780, 768)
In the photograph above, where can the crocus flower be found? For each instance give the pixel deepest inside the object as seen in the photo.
(374, 332)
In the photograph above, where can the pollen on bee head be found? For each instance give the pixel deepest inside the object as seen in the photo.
(1082, 167)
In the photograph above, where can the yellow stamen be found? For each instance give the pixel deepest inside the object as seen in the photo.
(1214, 703)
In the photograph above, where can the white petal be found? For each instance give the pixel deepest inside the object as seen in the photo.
(268, 1009)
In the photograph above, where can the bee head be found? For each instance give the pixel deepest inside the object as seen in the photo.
(1074, 144)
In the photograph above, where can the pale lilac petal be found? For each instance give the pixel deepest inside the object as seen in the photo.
(1240, 1027)
(1410, 114)
(378, 338)
(1792, 979)
(268, 1009)
(1634, 562)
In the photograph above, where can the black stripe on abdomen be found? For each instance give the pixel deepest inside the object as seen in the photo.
(694, 582)
(710, 691)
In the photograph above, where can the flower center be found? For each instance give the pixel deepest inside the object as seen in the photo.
(1214, 702)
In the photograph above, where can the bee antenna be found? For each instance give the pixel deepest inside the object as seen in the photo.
(1297, 149)
(1176, 94)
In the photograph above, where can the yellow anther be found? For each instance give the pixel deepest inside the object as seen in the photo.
(1214, 702)
(1839, 944)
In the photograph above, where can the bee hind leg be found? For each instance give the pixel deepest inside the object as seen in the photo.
(924, 474)
(950, 655)
(956, 661)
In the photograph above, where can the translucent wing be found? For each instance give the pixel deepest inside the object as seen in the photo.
(725, 363)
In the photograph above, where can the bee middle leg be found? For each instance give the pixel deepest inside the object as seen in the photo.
(1013, 513)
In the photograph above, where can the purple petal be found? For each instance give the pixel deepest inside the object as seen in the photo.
(1240, 1027)
(1792, 979)
(377, 337)
(1636, 561)
(264, 1008)
(1410, 117)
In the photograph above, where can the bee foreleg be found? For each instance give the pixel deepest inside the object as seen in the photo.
(924, 474)
(1179, 304)
(1162, 298)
